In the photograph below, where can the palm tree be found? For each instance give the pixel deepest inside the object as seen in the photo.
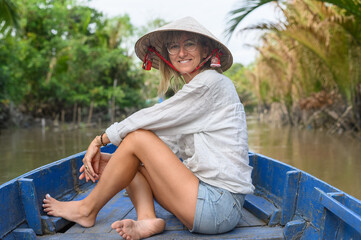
(315, 37)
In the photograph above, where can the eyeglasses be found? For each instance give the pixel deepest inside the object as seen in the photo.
(188, 45)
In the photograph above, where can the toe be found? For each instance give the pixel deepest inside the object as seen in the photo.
(117, 224)
(47, 209)
(47, 199)
(49, 212)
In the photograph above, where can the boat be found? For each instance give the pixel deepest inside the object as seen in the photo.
(287, 204)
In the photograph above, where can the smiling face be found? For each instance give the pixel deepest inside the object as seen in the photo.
(186, 54)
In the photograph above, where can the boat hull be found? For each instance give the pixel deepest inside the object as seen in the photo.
(288, 204)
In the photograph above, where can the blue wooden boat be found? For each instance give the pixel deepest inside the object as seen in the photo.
(288, 204)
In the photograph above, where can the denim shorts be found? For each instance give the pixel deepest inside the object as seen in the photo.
(217, 210)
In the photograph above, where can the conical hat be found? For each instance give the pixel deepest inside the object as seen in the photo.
(187, 24)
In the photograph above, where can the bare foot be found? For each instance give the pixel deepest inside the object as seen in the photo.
(131, 230)
(73, 211)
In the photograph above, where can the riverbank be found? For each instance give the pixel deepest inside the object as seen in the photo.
(321, 115)
(14, 117)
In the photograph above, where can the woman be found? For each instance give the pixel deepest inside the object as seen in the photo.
(203, 124)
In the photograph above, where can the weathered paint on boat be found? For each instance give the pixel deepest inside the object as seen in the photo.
(288, 204)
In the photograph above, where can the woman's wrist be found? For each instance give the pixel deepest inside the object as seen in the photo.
(102, 140)
(97, 141)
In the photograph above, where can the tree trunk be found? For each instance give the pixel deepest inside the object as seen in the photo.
(112, 116)
(74, 112)
(62, 117)
(79, 115)
(357, 107)
(90, 112)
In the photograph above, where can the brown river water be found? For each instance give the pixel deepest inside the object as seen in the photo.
(333, 159)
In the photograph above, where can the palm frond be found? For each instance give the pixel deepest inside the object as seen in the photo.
(8, 15)
(264, 27)
(237, 15)
(352, 7)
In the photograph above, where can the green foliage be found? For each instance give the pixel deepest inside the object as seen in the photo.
(238, 74)
(65, 54)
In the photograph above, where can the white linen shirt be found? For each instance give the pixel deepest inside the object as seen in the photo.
(204, 124)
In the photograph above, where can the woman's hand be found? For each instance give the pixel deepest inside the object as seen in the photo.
(93, 158)
(103, 161)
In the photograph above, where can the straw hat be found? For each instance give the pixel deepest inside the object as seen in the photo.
(187, 24)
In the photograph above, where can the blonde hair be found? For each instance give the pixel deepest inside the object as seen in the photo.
(170, 77)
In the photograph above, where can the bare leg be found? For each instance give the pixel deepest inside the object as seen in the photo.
(115, 179)
(173, 185)
(147, 223)
(141, 196)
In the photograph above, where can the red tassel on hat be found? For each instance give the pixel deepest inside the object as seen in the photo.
(215, 61)
(147, 63)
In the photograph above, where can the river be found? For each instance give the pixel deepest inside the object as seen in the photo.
(334, 159)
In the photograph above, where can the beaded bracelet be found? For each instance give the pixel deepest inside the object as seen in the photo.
(101, 139)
